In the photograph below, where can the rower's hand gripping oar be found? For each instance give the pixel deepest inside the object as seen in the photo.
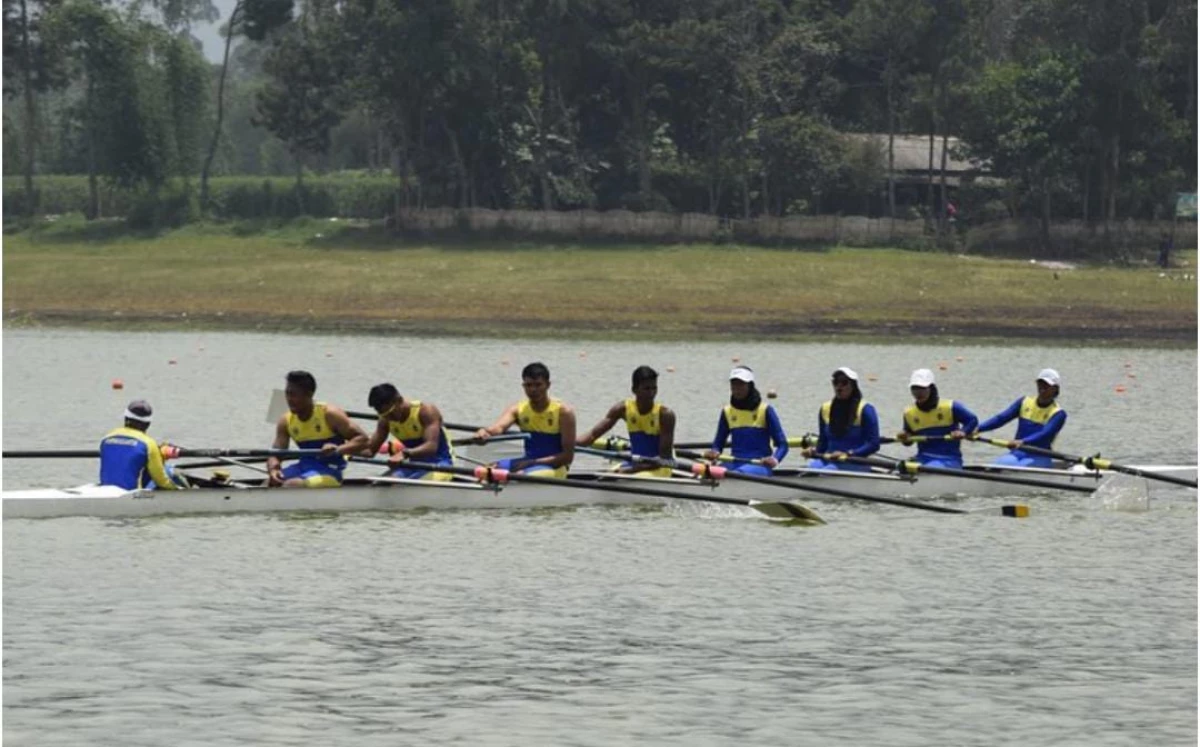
(496, 476)
(1091, 462)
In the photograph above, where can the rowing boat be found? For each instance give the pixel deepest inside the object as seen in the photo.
(387, 494)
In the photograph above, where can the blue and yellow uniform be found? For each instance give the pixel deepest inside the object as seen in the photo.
(1036, 425)
(545, 437)
(948, 415)
(134, 461)
(644, 431)
(313, 434)
(860, 440)
(411, 433)
(751, 433)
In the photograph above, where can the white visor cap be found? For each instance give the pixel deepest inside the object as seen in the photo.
(849, 373)
(1050, 376)
(741, 373)
(921, 377)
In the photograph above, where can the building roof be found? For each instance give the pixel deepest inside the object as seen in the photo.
(912, 153)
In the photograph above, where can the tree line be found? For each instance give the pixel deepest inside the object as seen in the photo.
(1080, 108)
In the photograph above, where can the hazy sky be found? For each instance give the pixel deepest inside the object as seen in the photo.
(210, 34)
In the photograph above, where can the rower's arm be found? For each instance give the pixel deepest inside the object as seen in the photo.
(615, 413)
(1000, 418)
(666, 434)
(431, 421)
(282, 439)
(718, 443)
(870, 432)
(378, 438)
(503, 423)
(1047, 432)
(775, 427)
(970, 423)
(158, 468)
(340, 422)
(823, 434)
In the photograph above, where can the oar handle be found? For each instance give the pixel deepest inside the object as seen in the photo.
(362, 415)
(1091, 462)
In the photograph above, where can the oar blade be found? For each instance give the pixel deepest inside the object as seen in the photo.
(787, 510)
(277, 406)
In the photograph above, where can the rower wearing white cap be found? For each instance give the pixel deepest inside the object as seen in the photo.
(848, 426)
(936, 418)
(131, 459)
(751, 425)
(1039, 419)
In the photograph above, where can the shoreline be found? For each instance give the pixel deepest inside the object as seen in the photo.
(1106, 334)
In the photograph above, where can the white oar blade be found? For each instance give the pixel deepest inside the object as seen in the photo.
(277, 407)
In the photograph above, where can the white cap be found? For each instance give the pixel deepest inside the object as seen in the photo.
(849, 373)
(921, 377)
(139, 410)
(1050, 376)
(741, 373)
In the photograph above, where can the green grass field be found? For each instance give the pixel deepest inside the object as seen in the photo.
(321, 276)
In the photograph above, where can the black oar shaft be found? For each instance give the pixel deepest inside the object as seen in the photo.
(54, 454)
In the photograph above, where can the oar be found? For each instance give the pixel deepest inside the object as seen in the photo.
(809, 439)
(495, 476)
(54, 454)
(1092, 462)
(716, 473)
(912, 468)
(278, 406)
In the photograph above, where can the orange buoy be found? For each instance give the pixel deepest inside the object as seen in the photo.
(942, 366)
(772, 394)
(582, 353)
(958, 358)
(118, 384)
(1131, 375)
(171, 362)
(328, 354)
(670, 369)
(504, 362)
(736, 359)
(872, 377)
(1119, 389)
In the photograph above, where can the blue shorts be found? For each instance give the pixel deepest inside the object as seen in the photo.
(839, 466)
(542, 470)
(746, 468)
(409, 473)
(1021, 459)
(314, 477)
(940, 462)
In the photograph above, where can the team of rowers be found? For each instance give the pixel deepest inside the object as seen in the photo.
(411, 431)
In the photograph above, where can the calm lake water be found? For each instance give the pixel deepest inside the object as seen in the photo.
(595, 626)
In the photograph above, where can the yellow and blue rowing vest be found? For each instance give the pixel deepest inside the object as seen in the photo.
(936, 422)
(1033, 418)
(749, 437)
(313, 434)
(132, 460)
(544, 429)
(411, 433)
(643, 428)
(853, 438)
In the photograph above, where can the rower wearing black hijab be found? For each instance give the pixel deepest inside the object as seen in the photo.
(751, 426)
(848, 426)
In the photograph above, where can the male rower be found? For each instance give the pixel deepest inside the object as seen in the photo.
(130, 459)
(313, 425)
(550, 423)
(1039, 419)
(651, 427)
(418, 431)
(751, 425)
(942, 423)
(847, 424)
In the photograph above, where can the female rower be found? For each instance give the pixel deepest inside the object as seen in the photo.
(848, 426)
(751, 425)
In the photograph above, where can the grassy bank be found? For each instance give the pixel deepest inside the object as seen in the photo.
(317, 275)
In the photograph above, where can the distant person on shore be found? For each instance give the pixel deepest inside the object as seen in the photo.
(944, 422)
(550, 423)
(751, 426)
(651, 426)
(1039, 419)
(410, 430)
(313, 425)
(1164, 250)
(132, 460)
(847, 426)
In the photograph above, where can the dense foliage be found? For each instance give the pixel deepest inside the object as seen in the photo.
(1083, 108)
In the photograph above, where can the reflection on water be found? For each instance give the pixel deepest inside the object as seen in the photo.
(593, 626)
